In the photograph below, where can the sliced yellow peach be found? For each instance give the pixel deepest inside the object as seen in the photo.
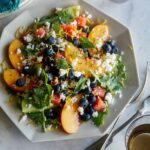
(70, 118)
(15, 55)
(11, 76)
(99, 32)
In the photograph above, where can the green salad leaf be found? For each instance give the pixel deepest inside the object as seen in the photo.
(99, 120)
(85, 43)
(56, 27)
(80, 85)
(39, 97)
(37, 117)
(62, 64)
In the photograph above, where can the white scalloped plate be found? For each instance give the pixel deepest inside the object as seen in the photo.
(118, 31)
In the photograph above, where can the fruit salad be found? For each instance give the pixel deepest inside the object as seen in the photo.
(66, 70)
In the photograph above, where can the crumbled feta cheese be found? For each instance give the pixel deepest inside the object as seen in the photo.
(30, 46)
(47, 24)
(74, 62)
(74, 23)
(29, 106)
(18, 51)
(89, 16)
(64, 84)
(88, 83)
(53, 33)
(81, 110)
(24, 62)
(68, 107)
(40, 58)
(22, 75)
(28, 38)
(109, 68)
(109, 98)
(98, 62)
(95, 114)
(23, 118)
(77, 74)
(62, 72)
(62, 96)
(122, 53)
(58, 9)
(59, 40)
(74, 99)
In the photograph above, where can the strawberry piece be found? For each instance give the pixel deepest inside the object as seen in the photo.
(99, 104)
(99, 91)
(69, 29)
(58, 55)
(81, 21)
(56, 99)
(40, 32)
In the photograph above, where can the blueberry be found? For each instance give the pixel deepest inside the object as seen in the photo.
(107, 48)
(49, 114)
(91, 98)
(89, 110)
(49, 61)
(20, 82)
(48, 52)
(65, 92)
(87, 90)
(75, 41)
(57, 88)
(93, 84)
(54, 70)
(26, 69)
(71, 74)
(83, 102)
(50, 77)
(85, 117)
(51, 40)
(111, 42)
(55, 48)
(92, 79)
(62, 77)
(115, 49)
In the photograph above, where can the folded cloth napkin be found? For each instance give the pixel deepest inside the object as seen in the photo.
(8, 5)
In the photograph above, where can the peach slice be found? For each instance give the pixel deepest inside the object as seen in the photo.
(70, 118)
(11, 76)
(15, 55)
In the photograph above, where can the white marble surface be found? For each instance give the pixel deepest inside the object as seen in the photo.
(136, 15)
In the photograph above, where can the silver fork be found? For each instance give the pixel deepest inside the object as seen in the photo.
(98, 144)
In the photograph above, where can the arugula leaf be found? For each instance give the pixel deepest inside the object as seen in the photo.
(115, 81)
(80, 85)
(39, 97)
(85, 43)
(62, 64)
(100, 118)
(44, 76)
(56, 27)
(37, 117)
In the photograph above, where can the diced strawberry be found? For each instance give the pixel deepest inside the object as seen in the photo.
(69, 29)
(99, 91)
(58, 55)
(56, 99)
(81, 21)
(82, 34)
(99, 104)
(40, 32)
